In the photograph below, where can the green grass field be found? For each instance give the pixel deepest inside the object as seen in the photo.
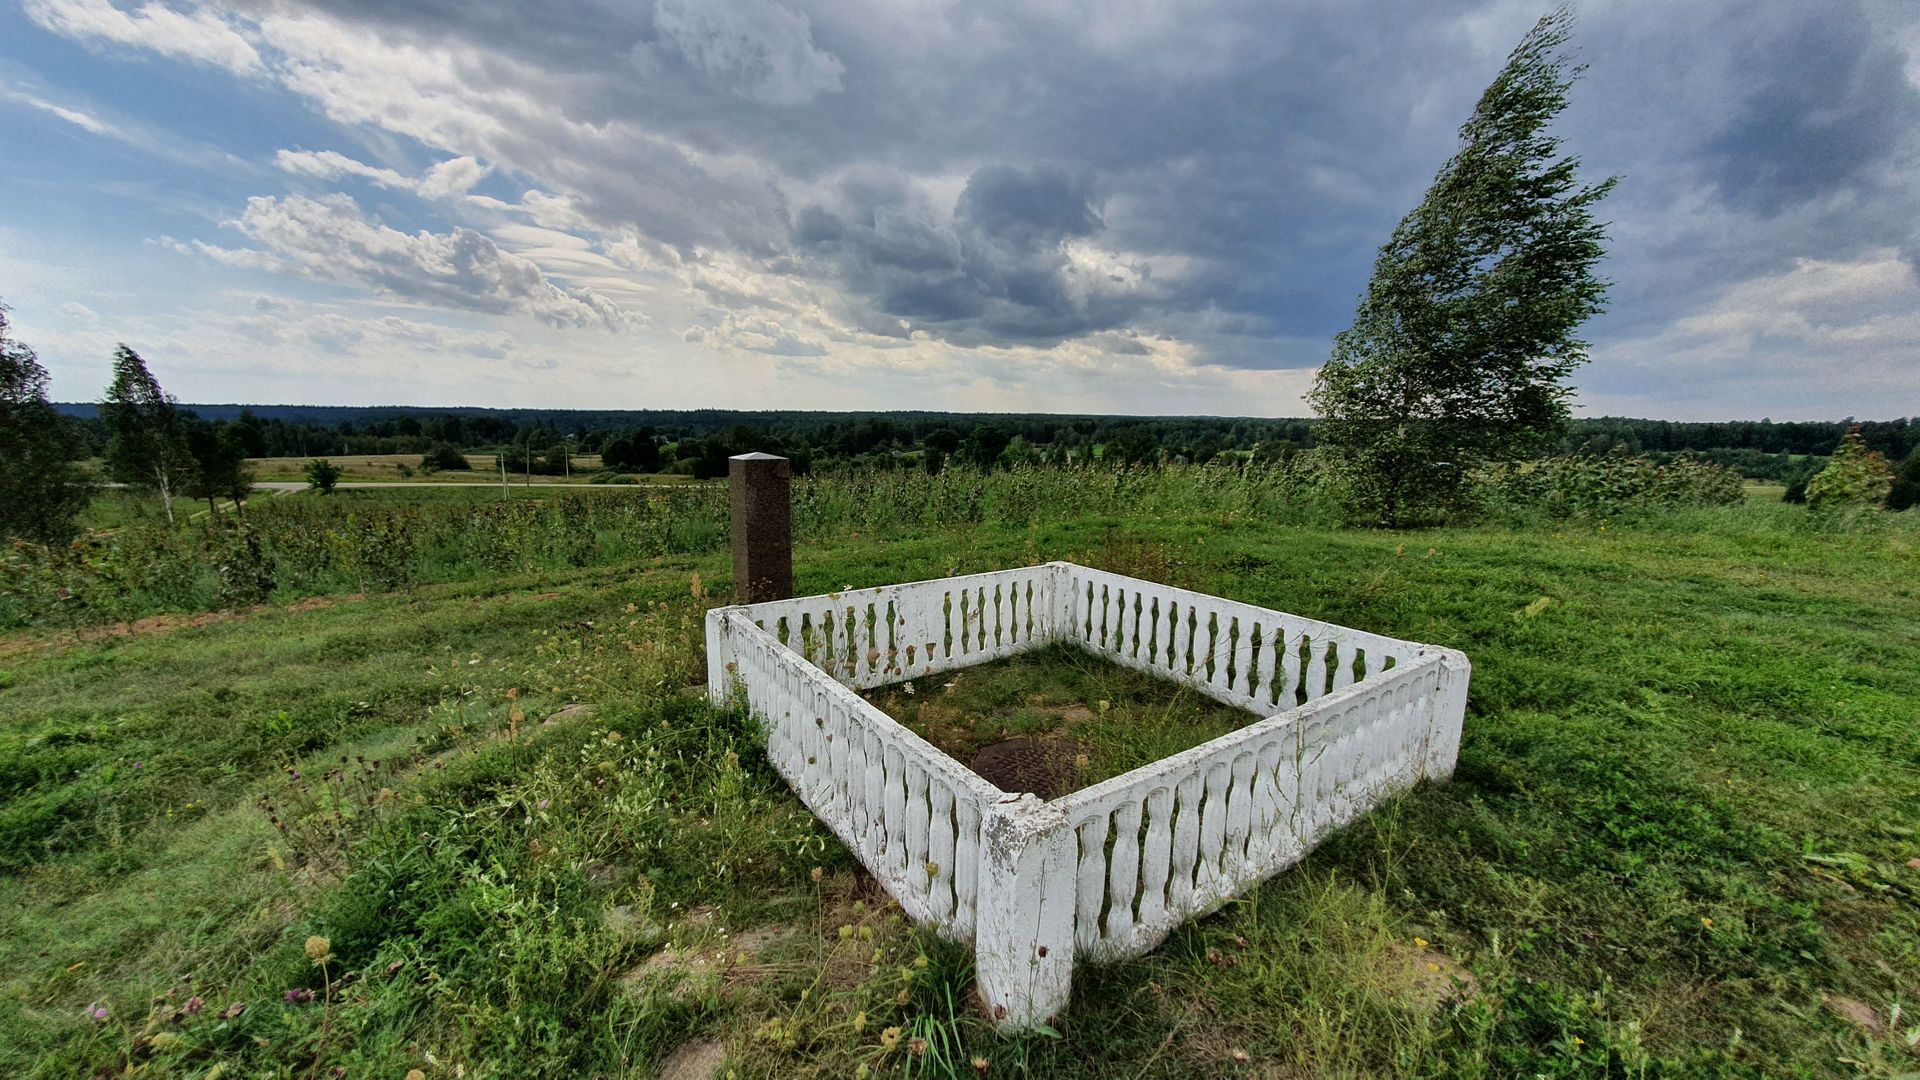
(1678, 843)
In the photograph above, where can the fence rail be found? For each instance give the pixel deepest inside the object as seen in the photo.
(1108, 871)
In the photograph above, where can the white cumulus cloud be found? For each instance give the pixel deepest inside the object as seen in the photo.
(329, 239)
(199, 35)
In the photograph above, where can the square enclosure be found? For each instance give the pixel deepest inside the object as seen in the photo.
(1105, 872)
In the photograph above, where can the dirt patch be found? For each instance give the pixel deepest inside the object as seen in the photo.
(1857, 1013)
(1425, 977)
(715, 964)
(697, 1060)
(566, 713)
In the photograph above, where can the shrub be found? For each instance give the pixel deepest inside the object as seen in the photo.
(1906, 486)
(1855, 478)
(322, 475)
(1606, 485)
(443, 456)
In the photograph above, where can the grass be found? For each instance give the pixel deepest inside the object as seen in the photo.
(1098, 718)
(396, 468)
(1677, 842)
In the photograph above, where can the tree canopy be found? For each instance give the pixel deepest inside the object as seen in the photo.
(1461, 347)
(42, 490)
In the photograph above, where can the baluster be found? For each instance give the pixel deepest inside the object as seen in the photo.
(1186, 842)
(896, 813)
(876, 784)
(966, 863)
(1317, 667)
(1123, 871)
(919, 821)
(1233, 860)
(1156, 860)
(1213, 834)
(1242, 683)
(1090, 881)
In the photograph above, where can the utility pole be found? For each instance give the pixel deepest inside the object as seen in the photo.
(502, 459)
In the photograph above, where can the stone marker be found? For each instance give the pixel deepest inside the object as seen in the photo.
(762, 529)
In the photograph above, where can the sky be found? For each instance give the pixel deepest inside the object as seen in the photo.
(1011, 205)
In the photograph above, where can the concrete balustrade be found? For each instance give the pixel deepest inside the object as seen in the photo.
(1106, 872)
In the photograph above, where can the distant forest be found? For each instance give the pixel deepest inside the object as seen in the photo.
(698, 441)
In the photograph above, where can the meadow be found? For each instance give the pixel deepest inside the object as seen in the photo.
(1681, 840)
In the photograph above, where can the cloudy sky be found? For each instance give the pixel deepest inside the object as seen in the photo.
(1146, 207)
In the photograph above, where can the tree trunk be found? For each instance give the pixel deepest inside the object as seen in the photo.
(166, 494)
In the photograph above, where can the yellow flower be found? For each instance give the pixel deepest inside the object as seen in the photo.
(318, 949)
(416, 1074)
(1706, 922)
(890, 1038)
(1419, 943)
(859, 1023)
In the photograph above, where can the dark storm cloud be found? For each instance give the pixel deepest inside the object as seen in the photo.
(1829, 105)
(1021, 174)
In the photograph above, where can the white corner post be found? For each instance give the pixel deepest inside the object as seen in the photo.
(1023, 932)
(721, 666)
(1449, 704)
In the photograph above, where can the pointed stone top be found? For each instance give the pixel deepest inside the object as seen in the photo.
(756, 456)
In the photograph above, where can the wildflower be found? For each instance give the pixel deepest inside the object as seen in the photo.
(297, 997)
(917, 1047)
(416, 1074)
(233, 1010)
(1706, 922)
(980, 1065)
(194, 1005)
(1241, 1056)
(846, 932)
(543, 803)
(99, 1013)
(920, 962)
(859, 1023)
(817, 874)
(1419, 943)
(890, 1038)
(319, 949)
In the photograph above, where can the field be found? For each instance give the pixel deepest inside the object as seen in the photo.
(405, 468)
(1680, 841)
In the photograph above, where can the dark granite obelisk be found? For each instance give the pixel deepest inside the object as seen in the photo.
(762, 527)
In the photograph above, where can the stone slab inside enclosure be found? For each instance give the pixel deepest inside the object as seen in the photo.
(1107, 870)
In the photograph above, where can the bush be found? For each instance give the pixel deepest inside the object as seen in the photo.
(1855, 478)
(444, 456)
(322, 475)
(1906, 486)
(1606, 485)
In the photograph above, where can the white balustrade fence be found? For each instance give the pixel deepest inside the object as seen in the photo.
(1108, 871)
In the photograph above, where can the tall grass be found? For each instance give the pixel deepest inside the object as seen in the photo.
(365, 542)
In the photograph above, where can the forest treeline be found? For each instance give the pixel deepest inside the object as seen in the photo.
(697, 441)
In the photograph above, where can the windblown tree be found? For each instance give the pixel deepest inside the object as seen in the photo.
(220, 468)
(146, 436)
(42, 489)
(1461, 348)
